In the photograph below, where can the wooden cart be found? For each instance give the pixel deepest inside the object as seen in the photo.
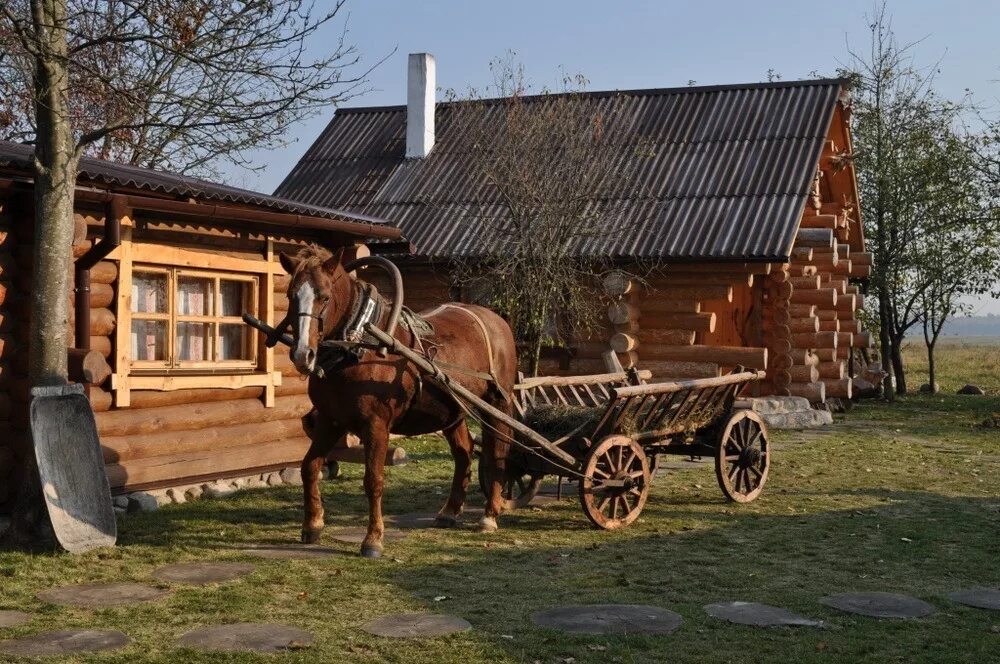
(611, 451)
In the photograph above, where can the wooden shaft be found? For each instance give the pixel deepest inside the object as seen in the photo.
(675, 369)
(676, 386)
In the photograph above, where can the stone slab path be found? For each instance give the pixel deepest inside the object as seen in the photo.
(979, 598)
(67, 642)
(758, 615)
(14, 618)
(102, 595)
(879, 605)
(357, 535)
(609, 619)
(416, 625)
(201, 574)
(291, 551)
(246, 637)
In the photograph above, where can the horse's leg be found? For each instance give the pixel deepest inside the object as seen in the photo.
(460, 442)
(323, 440)
(375, 436)
(496, 435)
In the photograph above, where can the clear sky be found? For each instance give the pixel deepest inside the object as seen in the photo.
(644, 44)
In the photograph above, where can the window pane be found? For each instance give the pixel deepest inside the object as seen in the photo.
(234, 342)
(149, 293)
(194, 296)
(149, 340)
(192, 343)
(235, 297)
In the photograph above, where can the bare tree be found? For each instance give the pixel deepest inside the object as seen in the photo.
(543, 164)
(179, 84)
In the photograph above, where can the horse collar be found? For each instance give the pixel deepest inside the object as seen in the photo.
(366, 309)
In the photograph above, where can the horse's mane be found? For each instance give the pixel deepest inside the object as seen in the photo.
(312, 255)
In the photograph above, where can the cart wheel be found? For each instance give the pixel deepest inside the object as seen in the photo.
(519, 488)
(619, 459)
(743, 457)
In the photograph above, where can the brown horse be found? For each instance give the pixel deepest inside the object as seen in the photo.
(372, 396)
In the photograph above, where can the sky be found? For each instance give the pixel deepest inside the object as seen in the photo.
(643, 44)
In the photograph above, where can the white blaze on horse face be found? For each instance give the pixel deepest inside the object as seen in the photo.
(303, 356)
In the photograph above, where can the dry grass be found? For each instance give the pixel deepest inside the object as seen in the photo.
(900, 499)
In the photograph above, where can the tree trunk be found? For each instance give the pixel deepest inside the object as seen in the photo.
(897, 365)
(930, 368)
(885, 344)
(55, 180)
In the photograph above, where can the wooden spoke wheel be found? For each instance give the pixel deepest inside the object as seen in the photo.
(519, 487)
(616, 482)
(743, 457)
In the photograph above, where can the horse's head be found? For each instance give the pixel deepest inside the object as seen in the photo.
(319, 298)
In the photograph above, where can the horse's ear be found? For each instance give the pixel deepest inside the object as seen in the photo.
(331, 263)
(287, 262)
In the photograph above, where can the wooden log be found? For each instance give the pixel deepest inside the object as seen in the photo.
(862, 339)
(118, 449)
(844, 340)
(616, 284)
(104, 272)
(206, 464)
(622, 312)
(802, 310)
(671, 282)
(823, 297)
(826, 354)
(665, 336)
(100, 400)
(804, 373)
(693, 291)
(781, 317)
(102, 345)
(815, 340)
(805, 270)
(88, 366)
(779, 345)
(819, 221)
(849, 325)
(860, 271)
(841, 389)
(750, 357)
(827, 314)
(8, 346)
(196, 416)
(659, 306)
(810, 324)
(669, 369)
(815, 392)
(700, 322)
(623, 343)
(814, 237)
(843, 250)
(825, 258)
(102, 322)
(101, 295)
(861, 258)
(802, 254)
(806, 283)
(829, 325)
(832, 370)
(804, 356)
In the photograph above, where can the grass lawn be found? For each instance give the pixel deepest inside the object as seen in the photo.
(903, 499)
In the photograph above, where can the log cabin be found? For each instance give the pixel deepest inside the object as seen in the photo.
(746, 203)
(164, 266)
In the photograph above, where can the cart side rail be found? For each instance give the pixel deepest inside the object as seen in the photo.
(656, 410)
(586, 391)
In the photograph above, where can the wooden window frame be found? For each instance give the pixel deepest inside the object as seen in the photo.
(227, 374)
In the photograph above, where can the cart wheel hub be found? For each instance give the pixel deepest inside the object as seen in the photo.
(749, 457)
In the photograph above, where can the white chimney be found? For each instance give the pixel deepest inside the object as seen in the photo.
(420, 84)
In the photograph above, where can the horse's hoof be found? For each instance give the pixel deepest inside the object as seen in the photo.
(371, 550)
(445, 521)
(488, 525)
(310, 536)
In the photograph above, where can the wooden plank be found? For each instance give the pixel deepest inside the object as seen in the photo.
(123, 342)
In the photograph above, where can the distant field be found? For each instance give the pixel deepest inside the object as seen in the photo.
(959, 360)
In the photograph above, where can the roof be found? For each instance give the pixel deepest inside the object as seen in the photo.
(727, 176)
(101, 172)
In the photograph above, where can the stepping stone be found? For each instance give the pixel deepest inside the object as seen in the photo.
(980, 598)
(48, 644)
(879, 605)
(758, 615)
(417, 520)
(14, 618)
(291, 552)
(357, 535)
(202, 573)
(246, 636)
(102, 595)
(416, 625)
(609, 619)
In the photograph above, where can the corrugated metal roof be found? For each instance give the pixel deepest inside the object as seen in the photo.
(725, 173)
(99, 171)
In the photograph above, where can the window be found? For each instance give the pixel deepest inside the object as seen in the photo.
(191, 320)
